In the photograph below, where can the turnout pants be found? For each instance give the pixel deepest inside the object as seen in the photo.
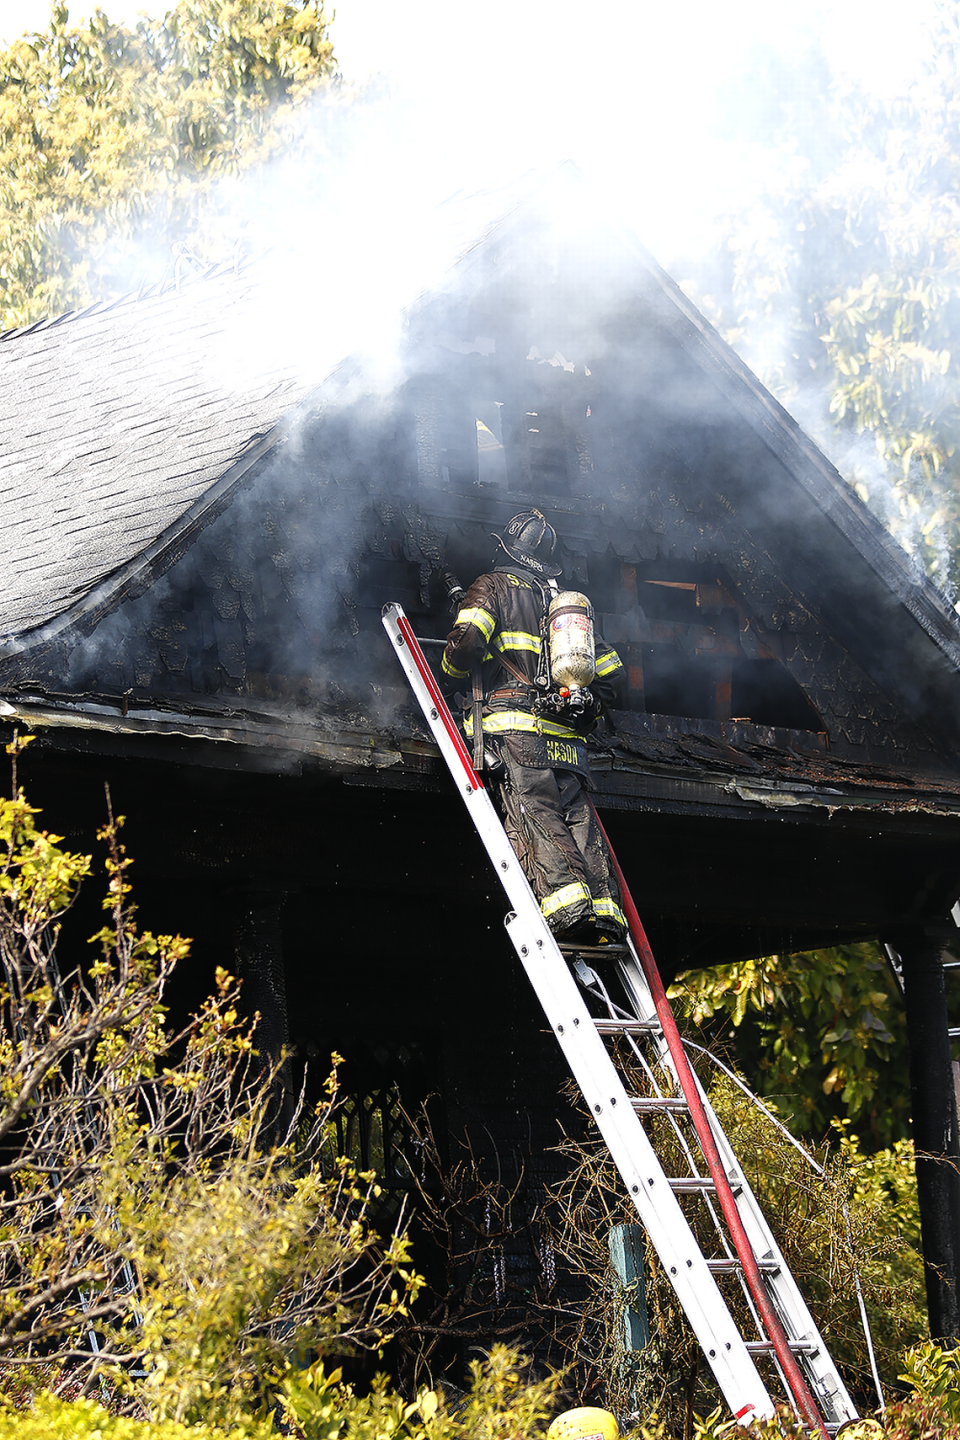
(552, 828)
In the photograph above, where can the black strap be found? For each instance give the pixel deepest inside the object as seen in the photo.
(477, 710)
(512, 669)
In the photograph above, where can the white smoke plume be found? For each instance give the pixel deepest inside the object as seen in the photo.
(657, 108)
(656, 105)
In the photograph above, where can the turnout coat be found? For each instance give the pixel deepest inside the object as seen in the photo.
(502, 615)
(540, 762)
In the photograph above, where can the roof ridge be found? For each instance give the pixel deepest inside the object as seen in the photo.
(171, 281)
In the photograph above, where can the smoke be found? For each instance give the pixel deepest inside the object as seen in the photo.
(863, 196)
(666, 108)
(913, 514)
(381, 189)
(678, 116)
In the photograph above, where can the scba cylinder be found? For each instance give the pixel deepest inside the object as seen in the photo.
(570, 638)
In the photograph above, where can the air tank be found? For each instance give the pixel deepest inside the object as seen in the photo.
(570, 639)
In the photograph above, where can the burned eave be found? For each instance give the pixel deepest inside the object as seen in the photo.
(737, 841)
(733, 767)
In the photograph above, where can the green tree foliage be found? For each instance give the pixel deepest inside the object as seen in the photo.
(150, 1218)
(843, 284)
(847, 1219)
(502, 1403)
(113, 141)
(823, 1033)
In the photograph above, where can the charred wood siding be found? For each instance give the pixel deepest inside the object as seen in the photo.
(279, 597)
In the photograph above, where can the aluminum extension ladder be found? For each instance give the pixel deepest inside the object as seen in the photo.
(785, 1329)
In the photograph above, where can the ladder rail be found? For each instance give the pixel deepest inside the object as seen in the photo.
(725, 1196)
(635, 987)
(600, 1083)
(786, 1292)
(804, 1337)
(630, 1147)
(745, 1221)
(672, 1118)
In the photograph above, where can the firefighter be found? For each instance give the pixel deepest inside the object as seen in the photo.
(533, 733)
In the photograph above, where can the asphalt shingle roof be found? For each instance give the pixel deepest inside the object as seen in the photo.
(114, 422)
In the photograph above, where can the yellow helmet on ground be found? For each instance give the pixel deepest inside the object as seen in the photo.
(585, 1423)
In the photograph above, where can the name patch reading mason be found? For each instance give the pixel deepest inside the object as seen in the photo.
(566, 752)
(548, 752)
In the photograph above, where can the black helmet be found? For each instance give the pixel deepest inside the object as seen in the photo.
(529, 539)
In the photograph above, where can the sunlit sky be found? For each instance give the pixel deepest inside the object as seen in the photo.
(657, 45)
(634, 91)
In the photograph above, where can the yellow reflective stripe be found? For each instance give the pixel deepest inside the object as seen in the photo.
(452, 671)
(550, 727)
(606, 664)
(504, 720)
(573, 894)
(482, 619)
(609, 910)
(518, 640)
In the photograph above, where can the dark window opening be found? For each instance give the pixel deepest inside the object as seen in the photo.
(547, 448)
(768, 693)
(674, 686)
(495, 444)
(457, 450)
(536, 450)
(679, 637)
(491, 455)
(445, 439)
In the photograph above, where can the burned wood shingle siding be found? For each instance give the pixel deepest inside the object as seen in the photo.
(614, 411)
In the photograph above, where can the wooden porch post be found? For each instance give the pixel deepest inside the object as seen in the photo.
(934, 1125)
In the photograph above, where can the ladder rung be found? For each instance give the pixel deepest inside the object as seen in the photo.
(654, 1104)
(766, 1347)
(731, 1266)
(696, 1185)
(592, 952)
(627, 1027)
